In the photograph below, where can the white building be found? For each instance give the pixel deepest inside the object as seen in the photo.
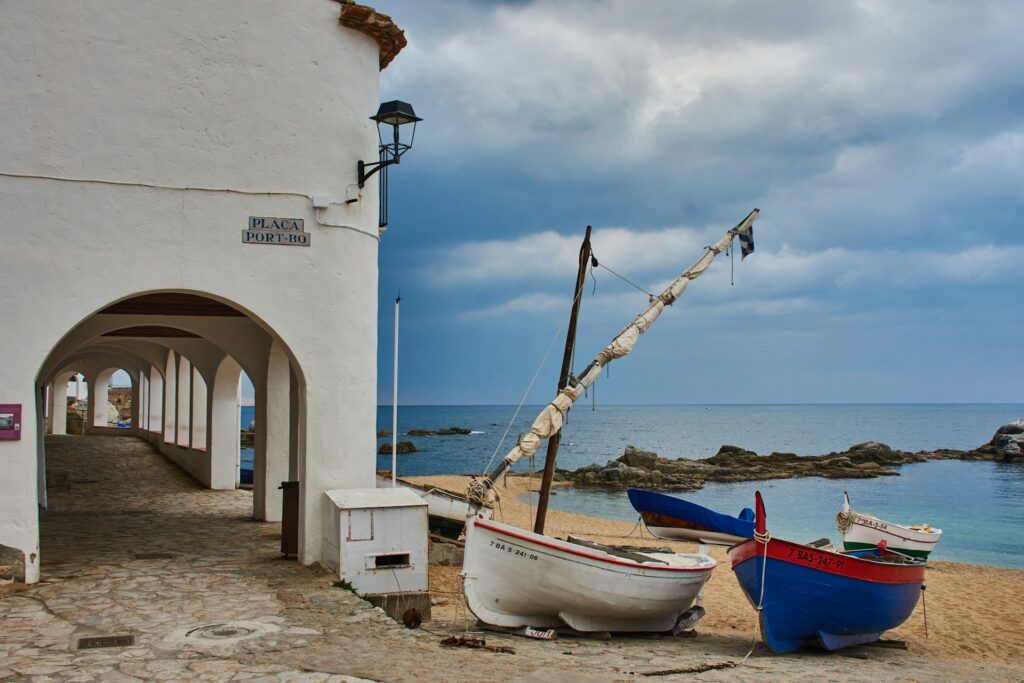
(139, 138)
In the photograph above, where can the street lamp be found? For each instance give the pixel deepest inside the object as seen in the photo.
(395, 114)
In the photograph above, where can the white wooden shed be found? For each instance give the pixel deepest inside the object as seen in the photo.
(377, 539)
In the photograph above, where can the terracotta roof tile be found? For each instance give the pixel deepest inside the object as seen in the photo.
(372, 23)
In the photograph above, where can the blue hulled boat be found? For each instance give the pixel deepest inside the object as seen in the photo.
(814, 596)
(679, 520)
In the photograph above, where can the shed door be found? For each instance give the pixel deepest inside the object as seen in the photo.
(360, 525)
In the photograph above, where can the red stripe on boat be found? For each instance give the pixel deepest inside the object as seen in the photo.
(609, 560)
(829, 562)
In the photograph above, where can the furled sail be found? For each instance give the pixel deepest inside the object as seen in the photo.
(552, 417)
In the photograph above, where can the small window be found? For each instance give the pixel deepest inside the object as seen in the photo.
(388, 561)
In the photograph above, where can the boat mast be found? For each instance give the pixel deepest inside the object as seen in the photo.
(563, 381)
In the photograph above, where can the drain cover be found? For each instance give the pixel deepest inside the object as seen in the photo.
(221, 632)
(94, 642)
(218, 635)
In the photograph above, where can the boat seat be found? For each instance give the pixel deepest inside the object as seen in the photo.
(821, 543)
(626, 552)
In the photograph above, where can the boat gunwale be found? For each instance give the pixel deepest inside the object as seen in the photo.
(870, 570)
(486, 524)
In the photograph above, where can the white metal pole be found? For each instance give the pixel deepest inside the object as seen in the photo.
(394, 403)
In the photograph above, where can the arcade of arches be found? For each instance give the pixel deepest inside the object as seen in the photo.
(184, 354)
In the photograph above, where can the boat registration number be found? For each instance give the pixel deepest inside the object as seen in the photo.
(813, 559)
(872, 523)
(513, 551)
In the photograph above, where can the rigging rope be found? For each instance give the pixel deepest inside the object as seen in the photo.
(526, 394)
(844, 520)
(762, 539)
(627, 281)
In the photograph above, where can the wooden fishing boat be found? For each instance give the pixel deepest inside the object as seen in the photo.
(860, 531)
(811, 596)
(514, 578)
(676, 519)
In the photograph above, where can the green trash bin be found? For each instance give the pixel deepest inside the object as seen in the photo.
(289, 518)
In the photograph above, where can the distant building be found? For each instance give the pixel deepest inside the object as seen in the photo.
(142, 140)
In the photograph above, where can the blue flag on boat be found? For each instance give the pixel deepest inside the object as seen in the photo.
(746, 241)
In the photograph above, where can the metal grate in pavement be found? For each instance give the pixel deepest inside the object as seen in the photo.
(94, 642)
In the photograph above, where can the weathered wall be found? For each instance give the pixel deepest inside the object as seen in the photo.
(261, 96)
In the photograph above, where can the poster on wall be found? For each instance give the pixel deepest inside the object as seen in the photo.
(10, 421)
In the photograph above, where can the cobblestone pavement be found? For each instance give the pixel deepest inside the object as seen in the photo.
(221, 604)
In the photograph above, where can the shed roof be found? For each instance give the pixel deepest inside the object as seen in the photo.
(347, 499)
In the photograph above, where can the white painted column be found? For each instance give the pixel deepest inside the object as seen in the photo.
(224, 425)
(170, 397)
(96, 415)
(200, 411)
(183, 402)
(156, 400)
(137, 407)
(59, 405)
(272, 422)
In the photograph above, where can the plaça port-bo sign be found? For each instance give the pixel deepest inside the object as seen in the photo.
(287, 232)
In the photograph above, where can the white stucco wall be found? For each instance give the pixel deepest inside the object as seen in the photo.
(262, 96)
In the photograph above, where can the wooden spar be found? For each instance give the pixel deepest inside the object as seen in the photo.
(563, 381)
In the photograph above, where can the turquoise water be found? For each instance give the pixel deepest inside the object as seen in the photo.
(978, 505)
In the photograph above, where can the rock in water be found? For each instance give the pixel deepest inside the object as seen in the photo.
(1008, 442)
(634, 457)
(402, 448)
(449, 431)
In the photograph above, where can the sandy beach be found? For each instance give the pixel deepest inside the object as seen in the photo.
(973, 611)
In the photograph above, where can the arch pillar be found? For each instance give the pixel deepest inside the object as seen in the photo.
(224, 425)
(183, 421)
(170, 397)
(94, 398)
(273, 417)
(58, 396)
(156, 400)
(200, 412)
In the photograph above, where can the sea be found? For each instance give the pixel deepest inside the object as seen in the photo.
(978, 505)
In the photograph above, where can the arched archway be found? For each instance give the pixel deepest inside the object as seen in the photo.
(185, 375)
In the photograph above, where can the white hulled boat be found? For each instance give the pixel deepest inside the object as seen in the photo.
(514, 578)
(863, 532)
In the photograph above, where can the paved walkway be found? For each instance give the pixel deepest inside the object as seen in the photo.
(221, 604)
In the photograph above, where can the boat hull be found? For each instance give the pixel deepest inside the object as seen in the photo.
(515, 578)
(866, 532)
(675, 519)
(818, 597)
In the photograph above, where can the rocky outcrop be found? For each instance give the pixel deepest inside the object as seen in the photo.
(1008, 442)
(646, 469)
(402, 448)
(449, 431)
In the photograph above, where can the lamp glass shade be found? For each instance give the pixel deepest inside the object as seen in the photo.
(395, 113)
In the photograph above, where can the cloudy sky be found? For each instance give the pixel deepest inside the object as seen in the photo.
(883, 143)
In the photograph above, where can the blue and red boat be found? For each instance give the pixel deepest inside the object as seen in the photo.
(814, 596)
(676, 519)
